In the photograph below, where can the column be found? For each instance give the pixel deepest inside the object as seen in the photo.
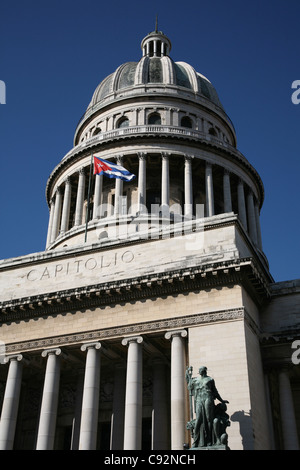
(227, 192)
(241, 204)
(178, 419)
(288, 420)
(90, 399)
(259, 237)
(142, 116)
(160, 421)
(66, 207)
(47, 423)
(134, 395)
(57, 214)
(168, 116)
(210, 211)
(80, 197)
(50, 225)
(77, 412)
(11, 402)
(188, 187)
(251, 217)
(97, 196)
(142, 184)
(269, 411)
(165, 183)
(118, 411)
(118, 191)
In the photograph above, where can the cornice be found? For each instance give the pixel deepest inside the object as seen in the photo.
(213, 275)
(145, 133)
(277, 338)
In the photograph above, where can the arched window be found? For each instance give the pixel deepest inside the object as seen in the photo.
(123, 122)
(97, 131)
(186, 122)
(212, 131)
(154, 119)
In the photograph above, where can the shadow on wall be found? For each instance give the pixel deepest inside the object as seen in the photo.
(245, 421)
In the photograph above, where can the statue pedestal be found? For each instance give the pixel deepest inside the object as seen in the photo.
(215, 447)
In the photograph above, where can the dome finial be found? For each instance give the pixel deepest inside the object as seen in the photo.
(156, 24)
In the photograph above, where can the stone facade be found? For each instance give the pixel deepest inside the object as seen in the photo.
(98, 329)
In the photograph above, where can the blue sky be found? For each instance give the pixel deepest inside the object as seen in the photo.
(54, 54)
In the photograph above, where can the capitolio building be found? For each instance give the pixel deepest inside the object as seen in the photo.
(144, 279)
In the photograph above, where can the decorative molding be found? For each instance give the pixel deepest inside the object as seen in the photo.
(92, 345)
(132, 339)
(167, 283)
(55, 351)
(13, 357)
(147, 132)
(182, 333)
(135, 329)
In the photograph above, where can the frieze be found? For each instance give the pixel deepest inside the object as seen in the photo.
(136, 328)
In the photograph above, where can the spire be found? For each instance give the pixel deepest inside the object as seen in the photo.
(156, 24)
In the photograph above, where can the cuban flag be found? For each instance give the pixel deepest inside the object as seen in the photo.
(111, 170)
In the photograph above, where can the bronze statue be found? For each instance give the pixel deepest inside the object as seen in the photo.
(208, 427)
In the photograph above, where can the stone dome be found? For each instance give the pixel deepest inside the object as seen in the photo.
(155, 72)
(163, 122)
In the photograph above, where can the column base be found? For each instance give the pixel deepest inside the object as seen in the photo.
(215, 447)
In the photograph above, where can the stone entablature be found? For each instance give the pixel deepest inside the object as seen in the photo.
(222, 242)
(95, 295)
(149, 327)
(67, 283)
(281, 317)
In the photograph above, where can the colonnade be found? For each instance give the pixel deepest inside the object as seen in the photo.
(156, 46)
(248, 206)
(288, 419)
(284, 405)
(126, 416)
(127, 403)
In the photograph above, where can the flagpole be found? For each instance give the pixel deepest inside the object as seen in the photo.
(88, 200)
